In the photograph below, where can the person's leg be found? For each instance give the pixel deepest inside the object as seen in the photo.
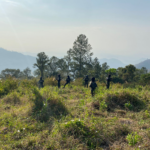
(65, 84)
(92, 92)
(58, 84)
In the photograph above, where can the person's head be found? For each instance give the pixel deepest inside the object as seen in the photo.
(93, 79)
(109, 76)
(68, 77)
(59, 75)
(86, 76)
(40, 78)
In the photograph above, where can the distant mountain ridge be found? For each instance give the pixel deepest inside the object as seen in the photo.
(112, 62)
(15, 60)
(145, 63)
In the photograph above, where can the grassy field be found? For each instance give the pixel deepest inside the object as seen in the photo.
(58, 119)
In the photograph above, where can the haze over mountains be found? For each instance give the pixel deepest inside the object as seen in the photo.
(145, 63)
(15, 60)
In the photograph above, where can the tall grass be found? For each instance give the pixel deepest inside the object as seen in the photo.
(70, 118)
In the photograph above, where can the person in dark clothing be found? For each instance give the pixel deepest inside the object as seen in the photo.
(41, 83)
(108, 79)
(67, 81)
(86, 81)
(93, 86)
(59, 79)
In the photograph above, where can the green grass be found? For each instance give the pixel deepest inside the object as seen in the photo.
(70, 118)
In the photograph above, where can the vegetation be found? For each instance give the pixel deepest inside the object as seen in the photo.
(70, 118)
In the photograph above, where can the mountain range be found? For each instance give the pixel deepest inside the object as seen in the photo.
(15, 60)
(145, 63)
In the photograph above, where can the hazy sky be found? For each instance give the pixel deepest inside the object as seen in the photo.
(113, 27)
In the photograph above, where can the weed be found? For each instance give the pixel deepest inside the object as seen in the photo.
(133, 138)
(128, 106)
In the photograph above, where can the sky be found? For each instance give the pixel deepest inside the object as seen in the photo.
(115, 28)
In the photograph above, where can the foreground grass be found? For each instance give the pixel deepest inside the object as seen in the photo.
(70, 118)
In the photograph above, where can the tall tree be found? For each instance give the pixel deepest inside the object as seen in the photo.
(81, 55)
(52, 67)
(68, 60)
(97, 68)
(41, 62)
(16, 73)
(27, 72)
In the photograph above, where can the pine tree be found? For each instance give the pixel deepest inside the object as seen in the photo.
(80, 55)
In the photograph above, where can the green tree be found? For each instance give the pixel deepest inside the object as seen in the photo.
(111, 71)
(16, 73)
(81, 55)
(103, 72)
(27, 72)
(62, 67)
(68, 60)
(41, 62)
(37, 73)
(97, 68)
(52, 68)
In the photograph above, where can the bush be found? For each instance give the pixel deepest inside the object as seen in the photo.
(78, 129)
(78, 82)
(12, 98)
(43, 108)
(124, 99)
(133, 138)
(6, 86)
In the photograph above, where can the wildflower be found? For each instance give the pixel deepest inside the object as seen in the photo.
(79, 119)
(139, 146)
(23, 128)
(18, 130)
(72, 120)
(44, 104)
(66, 123)
(96, 131)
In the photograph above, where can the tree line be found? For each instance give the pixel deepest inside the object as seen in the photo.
(77, 63)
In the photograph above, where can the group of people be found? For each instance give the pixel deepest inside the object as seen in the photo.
(41, 81)
(93, 84)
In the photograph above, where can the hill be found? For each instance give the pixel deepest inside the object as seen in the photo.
(145, 63)
(15, 60)
(113, 63)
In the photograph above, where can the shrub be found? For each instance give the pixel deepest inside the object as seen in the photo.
(128, 106)
(8, 85)
(44, 109)
(123, 99)
(52, 82)
(133, 138)
(12, 98)
(146, 114)
(78, 82)
(78, 129)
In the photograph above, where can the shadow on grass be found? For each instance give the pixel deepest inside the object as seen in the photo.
(51, 108)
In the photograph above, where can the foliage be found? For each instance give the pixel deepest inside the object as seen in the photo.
(41, 62)
(128, 106)
(52, 118)
(7, 86)
(133, 138)
(81, 55)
